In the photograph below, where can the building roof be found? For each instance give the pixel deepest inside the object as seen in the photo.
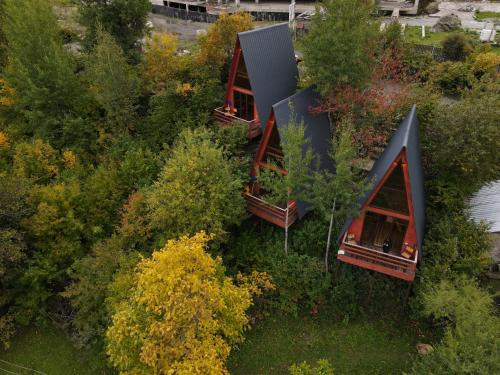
(405, 138)
(316, 127)
(485, 205)
(271, 66)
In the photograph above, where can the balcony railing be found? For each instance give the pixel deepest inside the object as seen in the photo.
(226, 118)
(271, 212)
(379, 261)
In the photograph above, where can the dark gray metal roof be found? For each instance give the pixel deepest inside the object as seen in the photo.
(316, 127)
(271, 66)
(406, 137)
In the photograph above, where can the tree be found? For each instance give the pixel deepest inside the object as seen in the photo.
(113, 82)
(337, 48)
(298, 162)
(336, 195)
(199, 188)
(125, 20)
(182, 314)
(469, 129)
(161, 65)
(13, 250)
(456, 47)
(217, 45)
(470, 344)
(41, 72)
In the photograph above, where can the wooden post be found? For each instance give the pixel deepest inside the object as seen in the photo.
(329, 235)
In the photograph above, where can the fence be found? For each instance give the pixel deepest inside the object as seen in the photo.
(436, 52)
(196, 16)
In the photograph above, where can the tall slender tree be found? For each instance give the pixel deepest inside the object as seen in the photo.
(335, 195)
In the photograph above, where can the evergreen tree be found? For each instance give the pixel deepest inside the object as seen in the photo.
(125, 20)
(338, 48)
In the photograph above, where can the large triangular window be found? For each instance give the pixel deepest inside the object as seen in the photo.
(392, 195)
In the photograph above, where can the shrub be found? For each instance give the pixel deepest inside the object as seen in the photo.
(471, 341)
(456, 47)
(452, 77)
(323, 367)
(301, 283)
(483, 63)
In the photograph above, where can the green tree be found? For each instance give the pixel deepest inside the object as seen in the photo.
(13, 249)
(471, 135)
(199, 188)
(92, 275)
(336, 194)
(42, 73)
(298, 162)
(181, 314)
(456, 47)
(471, 344)
(113, 82)
(337, 49)
(125, 20)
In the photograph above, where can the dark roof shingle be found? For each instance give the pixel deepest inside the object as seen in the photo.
(271, 66)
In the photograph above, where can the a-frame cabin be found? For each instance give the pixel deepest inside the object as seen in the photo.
(269, 155)
(387, 235)
(263, 72)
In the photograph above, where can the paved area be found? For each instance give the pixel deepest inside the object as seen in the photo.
(185, 30)
(449, 7)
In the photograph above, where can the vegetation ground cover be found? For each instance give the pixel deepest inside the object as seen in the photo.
(356, 347)
(49, 350)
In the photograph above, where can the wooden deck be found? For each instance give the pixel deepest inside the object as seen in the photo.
(226, 119)
(378, 261)
(270, 212)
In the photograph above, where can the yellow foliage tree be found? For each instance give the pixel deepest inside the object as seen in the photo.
(181, 315)
(36, 160)
(217, 45)
(161, 64)
(487, 62)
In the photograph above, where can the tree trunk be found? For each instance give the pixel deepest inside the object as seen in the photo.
(286, 224)
(327, 252)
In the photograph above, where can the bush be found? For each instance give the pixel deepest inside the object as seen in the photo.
(484, 63)
(471, 341)
(452, 77)
(456, 47)
(301, 283)
(323, 367)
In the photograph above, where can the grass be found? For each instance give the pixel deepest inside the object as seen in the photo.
(413, 34)
(48, 350)
(362, 347)
(487, 15)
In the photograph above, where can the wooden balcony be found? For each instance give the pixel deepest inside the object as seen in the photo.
(271, 212)
(378, 261)
(226, 119)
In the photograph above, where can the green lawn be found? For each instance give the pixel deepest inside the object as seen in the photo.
(487, 15)
(362, 347)
(47, 350)
(413, 34)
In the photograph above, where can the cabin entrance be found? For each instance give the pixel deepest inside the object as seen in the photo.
(244, 105)
(383, 233)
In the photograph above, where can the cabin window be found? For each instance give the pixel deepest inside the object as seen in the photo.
(244, 105)
(378, 229)
(274, 153)
(392, 195)
(241, 79)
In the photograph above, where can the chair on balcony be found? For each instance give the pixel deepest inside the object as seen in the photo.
(394, 209)
(258, 80)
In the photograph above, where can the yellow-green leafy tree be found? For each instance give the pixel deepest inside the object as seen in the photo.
(217, 45)
(180, 315)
